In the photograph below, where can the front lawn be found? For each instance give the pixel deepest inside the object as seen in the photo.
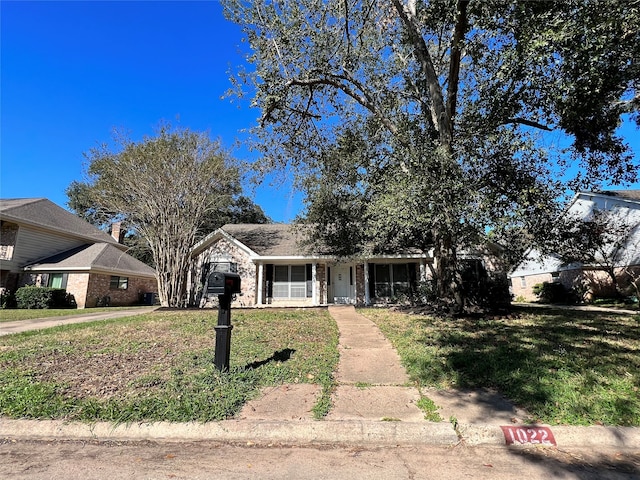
(160, 366)
(564, 367)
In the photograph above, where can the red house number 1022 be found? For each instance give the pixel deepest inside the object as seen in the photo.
(528, 434)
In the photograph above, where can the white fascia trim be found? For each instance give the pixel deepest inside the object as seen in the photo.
(57, 269)
(103, 271)
(302, 258)
(288, 258)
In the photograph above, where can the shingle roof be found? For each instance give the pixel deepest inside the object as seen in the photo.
(271, 239)
(44, 213)
(633, 195)
(98, 256)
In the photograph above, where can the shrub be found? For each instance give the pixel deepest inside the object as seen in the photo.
(552, 293)
(7, 300)
(31, 297)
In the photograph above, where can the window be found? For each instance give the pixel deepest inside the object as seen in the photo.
(119, 283)
(290, 281)
(523, 282)
(57, 280)
(391, 279)
(223, 267)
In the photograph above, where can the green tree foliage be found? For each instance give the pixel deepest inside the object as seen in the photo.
(168, 189)
(606, 241)
(423, 122)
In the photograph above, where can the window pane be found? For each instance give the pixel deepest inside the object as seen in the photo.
(299, 290)
(281, 273)
(400, 273)
(383, 290)
(382, 273)
(298, 273)
(55, 280)
(281, 290)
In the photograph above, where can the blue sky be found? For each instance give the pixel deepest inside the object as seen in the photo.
(72, 71)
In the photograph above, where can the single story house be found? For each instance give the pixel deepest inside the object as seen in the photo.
(43, 244)
(623, 206)
(276, 270)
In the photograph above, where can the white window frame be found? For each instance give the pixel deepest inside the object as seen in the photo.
(289, 289)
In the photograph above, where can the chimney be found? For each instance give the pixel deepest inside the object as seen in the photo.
(116, 232)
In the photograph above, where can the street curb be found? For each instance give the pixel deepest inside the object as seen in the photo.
(595, 436)
(292, 432)
(347, 432)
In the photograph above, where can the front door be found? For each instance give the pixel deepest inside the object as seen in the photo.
(341, 279)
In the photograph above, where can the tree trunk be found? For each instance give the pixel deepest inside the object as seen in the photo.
(449, 281)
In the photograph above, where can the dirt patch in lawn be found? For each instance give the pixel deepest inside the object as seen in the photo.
(114, 362)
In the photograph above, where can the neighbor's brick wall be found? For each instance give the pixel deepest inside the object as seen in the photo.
(526, 291)
(246, 269)
(99, 287)
(77, 284)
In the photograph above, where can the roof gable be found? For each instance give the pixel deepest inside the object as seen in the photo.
(43, 213)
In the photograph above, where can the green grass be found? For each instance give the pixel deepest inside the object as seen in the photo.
(563, 367)
(12, 315)
(160, 366)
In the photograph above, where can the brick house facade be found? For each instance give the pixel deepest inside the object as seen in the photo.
(44, 245)
(276, 270)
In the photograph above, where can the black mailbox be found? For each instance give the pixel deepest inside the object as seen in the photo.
(223, 283)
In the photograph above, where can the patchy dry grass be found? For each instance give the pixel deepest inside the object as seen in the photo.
(564, 367)
(159, 366)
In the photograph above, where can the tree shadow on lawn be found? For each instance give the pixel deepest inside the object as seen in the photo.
(562, 367)
(278, 356)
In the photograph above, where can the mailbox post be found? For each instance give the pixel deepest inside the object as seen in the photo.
(225, 285)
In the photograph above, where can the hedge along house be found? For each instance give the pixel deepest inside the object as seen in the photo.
(42, 244)
(275, 270)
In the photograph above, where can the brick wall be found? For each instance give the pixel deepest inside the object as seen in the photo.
(99, 287)
(77, 284)
(247, 270)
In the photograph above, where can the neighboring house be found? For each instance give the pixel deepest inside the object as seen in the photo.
(276, 270)
(622, 206)
(42, 244)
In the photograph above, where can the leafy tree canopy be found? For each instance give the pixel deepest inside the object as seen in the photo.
(169, 190)
(427, 122)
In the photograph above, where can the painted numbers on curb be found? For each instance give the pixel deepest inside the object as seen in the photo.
(528, 434)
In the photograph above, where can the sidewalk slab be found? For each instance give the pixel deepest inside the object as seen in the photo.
(377, 403)
(482, 406)
(284, 402)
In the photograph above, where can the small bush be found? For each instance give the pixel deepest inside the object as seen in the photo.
(41, 297)
(552, 293)
(7, 300)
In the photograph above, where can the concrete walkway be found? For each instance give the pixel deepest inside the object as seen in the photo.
(374, 386)
(7, 328)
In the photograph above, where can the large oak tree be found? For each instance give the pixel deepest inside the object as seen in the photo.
(424, 122)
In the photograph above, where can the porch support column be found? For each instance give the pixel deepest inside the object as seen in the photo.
(423, 270)
(314, 286)
(367, 296)
(260, 283)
